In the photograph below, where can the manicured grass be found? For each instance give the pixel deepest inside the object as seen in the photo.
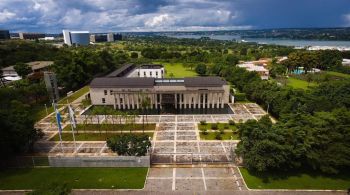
(111, 127)
(42, 112)
(224, 126)
(225, 136)
(178, 70)
(299, 84)
(297, 180)
(76, 178)
(89, 136)
(338, 74)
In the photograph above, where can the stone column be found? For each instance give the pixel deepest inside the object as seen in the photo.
(175, 100)
(114, 103)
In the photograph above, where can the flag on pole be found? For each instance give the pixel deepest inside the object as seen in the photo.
(72, 116)
(59, 119)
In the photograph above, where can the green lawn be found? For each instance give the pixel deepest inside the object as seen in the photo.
(89, 136)
(297, 180)
(299, 84)
(224, 126)
(338, 74)
(225, 136)
(41, 113)
(76, 178)
(111, 127)
(178, 70)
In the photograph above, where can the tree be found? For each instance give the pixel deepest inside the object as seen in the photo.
(134, 55)
(22, 69)
(129, 144)
(145, 103)
(201, 69)
(17, 133)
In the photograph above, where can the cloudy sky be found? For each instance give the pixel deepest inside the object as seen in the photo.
(162, 15)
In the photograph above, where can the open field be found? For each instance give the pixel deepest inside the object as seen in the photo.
(41, 113)
(299, 84)
(297, 180)
(111, 127)
(76, 178)
(225, 136)
(178, 70)
(338, 74)
(89, 136)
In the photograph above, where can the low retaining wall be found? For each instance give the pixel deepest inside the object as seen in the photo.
(99, 161)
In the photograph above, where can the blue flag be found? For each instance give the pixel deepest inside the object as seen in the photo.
(59, 119)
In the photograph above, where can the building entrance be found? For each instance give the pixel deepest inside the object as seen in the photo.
(168, 104)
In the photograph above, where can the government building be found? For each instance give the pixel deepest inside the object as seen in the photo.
(127, 87)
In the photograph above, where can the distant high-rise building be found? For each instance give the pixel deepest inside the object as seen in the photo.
(31, 36)
(97, 38)
(4, 34)
(110, 37)
(118, 37)
(76, 37)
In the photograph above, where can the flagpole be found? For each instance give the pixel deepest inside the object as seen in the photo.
(59, 132)
(71, 115)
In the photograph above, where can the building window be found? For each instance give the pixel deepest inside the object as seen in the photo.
(150, 73)
(121, 100)
(192, 100)
(156, 73)
(144, 74)
(138, 74)
(110, 92)
(103, 100)
(105, 91)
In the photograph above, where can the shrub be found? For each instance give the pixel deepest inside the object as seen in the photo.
(203, 122)
(240, 96)
(214, 126)
(234, 131)
(218, 136)
(226, 126)
(221, 131)
(204, 131)
(231, 122)
(129, 144)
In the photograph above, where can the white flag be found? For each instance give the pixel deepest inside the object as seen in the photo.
(71, 116)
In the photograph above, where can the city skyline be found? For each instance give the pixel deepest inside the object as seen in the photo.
(176, 15)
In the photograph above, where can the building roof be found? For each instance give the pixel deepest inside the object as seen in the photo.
(122, 82)
(204, 82)
(151, 66)
(147, 82)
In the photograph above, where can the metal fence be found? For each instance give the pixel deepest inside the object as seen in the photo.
(190, 158)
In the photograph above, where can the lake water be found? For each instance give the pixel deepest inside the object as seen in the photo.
(285, 42)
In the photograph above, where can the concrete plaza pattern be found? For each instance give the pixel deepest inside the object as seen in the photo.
(193, 179)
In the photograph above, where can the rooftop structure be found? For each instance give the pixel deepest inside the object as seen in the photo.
(76, 37)
(260, 69)
(144, 70)
(9, 72)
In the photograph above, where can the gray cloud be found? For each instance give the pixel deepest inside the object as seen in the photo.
(158, 15)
